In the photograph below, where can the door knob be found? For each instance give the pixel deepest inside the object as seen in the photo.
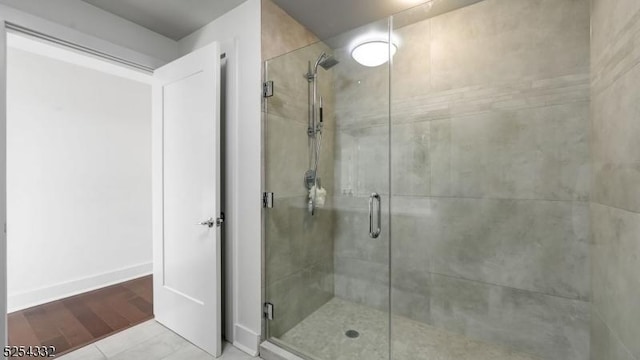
(210, 223)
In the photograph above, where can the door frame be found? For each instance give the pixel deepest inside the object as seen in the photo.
(11, 18)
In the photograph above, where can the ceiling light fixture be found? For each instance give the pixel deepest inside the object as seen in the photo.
(373, 53)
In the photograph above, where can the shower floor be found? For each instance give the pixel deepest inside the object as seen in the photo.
(322, 334)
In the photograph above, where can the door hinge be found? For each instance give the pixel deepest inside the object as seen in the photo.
(267, 89)
(268, 311)
(267, 200)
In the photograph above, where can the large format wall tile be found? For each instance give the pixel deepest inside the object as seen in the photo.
(619, 55)
(361, 262)
(616, 265)
(362, 161)
(616, 148)
(551, 327)
(604, 343)
(297, 296)
(527, 93)
(548, 327)
(286, 161)
(411, 68)
(615, 179)
(352, 230)
(299, 261)
(280, 32)
(411, 260)
(291, 87)
(497, 41)
(410, 163)
(362, 269)
(610, 21)
(412, 305)
(362, 290)
(411, 244)
(362, 93)
(534, 245)
(537, 153)
(296, 240)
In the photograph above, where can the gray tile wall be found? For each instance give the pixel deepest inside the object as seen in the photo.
(489, 175)
(615, 208)
(298, 246)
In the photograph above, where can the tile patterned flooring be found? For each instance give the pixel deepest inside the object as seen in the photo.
(149, 341)
(322, 335)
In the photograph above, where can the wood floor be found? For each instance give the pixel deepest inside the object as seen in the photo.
(76, 321)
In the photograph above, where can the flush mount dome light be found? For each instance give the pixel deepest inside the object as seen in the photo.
(373, 53)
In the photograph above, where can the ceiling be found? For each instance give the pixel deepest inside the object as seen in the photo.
(328, 18)
(174, 19)
(355, 28)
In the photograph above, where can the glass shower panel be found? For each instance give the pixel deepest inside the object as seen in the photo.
(490, 249)
(326, 262)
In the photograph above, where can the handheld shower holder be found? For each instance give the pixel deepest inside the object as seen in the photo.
(310, 179)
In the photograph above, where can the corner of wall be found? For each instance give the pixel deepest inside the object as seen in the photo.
(615, 206)
(281, 33)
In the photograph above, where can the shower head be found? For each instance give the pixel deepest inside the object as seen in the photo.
(329, 62)
(326, 61)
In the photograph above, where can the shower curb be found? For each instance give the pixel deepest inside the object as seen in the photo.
(271, 351)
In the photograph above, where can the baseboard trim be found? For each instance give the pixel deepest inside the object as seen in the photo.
(43, 295)
(246, 340)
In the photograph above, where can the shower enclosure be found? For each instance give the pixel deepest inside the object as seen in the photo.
(456, 218)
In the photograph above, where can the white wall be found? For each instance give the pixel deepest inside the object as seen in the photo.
(79, 179)
(239, 33)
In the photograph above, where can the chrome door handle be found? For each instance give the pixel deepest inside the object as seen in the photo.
(210, 223)
(374, 233)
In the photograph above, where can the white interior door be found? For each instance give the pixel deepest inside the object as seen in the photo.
(187, 273)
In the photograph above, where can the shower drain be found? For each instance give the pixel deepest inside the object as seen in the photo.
(352, 334)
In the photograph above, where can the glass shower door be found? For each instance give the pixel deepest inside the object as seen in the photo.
(326, 239)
